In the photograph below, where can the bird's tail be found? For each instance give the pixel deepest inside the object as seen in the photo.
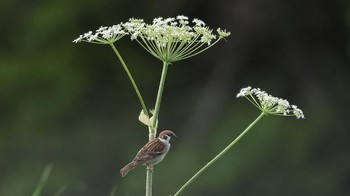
(127, 168)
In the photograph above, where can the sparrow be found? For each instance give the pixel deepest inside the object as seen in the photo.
(151, 153)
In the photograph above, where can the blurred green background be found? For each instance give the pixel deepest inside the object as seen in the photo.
(72, 105)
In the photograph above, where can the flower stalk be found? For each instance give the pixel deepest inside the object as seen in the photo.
(144, 108)
(225, 150)
(149, 182)
(154, 119)
(268, 105)
(154, 124)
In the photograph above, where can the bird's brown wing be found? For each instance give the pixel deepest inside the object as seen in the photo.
(149, 151)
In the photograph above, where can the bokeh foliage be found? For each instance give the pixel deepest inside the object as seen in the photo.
(72, 105)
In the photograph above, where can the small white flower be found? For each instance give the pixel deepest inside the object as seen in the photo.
(101, 29)
(78, 39)
(158, 21)
(244, 92)
(169, 20)
(93, 37)
(87, 35)
(182, 17)
(198, 22)
(183, 22)
(134, 27)
(270, 104)
(223, 33)
(297, 112)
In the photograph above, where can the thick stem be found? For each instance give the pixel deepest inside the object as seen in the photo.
(149, 181)
(153, 131)
(144, 108)
(219, 155)
(153, 128)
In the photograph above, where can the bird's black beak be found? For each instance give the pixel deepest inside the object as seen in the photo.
(173, 136)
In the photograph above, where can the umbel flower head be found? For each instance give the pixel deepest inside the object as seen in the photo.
(270, 104)
(173, 39)
(168, 39)
(103, 35)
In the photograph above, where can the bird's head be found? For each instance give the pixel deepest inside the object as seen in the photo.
(167, 135)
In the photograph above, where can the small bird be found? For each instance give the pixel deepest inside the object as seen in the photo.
(151, 153)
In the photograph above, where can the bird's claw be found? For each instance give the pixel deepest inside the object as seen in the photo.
(150, 168)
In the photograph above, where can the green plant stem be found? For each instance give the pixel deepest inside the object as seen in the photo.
(153, 128)
(43, 180)
(144, 108)
(149, 182)
(60, 191)
(158, 101)
(219, 155)
(114, 190)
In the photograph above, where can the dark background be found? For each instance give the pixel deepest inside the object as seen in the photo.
(72, 105)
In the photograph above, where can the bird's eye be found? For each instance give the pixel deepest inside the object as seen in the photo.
(166, 137)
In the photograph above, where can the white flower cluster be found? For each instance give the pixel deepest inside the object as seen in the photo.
(173, 39)
(168, 39)
(103, 35)
(163, 32)
(270, 104)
